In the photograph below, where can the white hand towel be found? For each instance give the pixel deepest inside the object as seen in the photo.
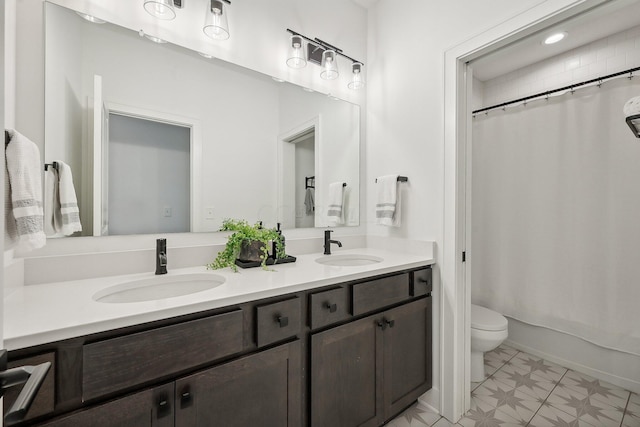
(388, 201)
(52, 214)
(68, 202)
(24, 167)
(309, 201)
(335, 203)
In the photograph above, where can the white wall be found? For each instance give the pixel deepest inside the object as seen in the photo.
(405, 113)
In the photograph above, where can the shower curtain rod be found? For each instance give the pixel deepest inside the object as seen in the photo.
(549, 92)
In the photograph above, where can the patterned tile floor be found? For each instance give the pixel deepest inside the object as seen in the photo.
(524, 390)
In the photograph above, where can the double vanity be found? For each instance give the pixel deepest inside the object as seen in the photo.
(330, 340)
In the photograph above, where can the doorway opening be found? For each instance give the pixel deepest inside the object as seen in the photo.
(148, 176)
(456, 274)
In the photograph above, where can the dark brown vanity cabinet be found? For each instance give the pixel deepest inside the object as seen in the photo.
(148, 408)
(351, 354)
(261, 389)
(365, 372)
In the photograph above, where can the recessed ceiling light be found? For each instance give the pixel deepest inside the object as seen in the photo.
(276, 79)
(91, 18)
(308, 89)
(555, 38)
(206, 55)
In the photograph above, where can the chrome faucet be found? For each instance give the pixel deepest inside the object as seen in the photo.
(328, 242)
(161, 256)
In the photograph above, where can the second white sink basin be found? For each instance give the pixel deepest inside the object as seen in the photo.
(348, 260)
(158, 287)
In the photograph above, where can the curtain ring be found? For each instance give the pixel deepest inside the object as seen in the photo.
(599, 83)
(572, 90)
(630, 75)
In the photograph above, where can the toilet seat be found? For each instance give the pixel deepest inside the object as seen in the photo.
(487, 320)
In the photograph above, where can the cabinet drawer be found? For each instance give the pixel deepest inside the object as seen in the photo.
(328, 307)
(45, 399)
(118, 363)
(422, 282)
(375, 294)
(278, 321)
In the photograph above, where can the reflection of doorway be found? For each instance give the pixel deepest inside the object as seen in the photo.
(298, 180)
(149, 175)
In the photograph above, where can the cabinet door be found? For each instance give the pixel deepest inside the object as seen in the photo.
(407, 355)
(345, 383)
(149, 408)
(261, 389)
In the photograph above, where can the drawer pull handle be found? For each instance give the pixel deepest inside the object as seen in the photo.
(283, 321)
(163, 406)
(331, 307)
(185, 398)
(382, 325)
(390, 323)
(425, 281)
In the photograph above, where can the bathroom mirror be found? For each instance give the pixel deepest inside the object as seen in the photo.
(252, 147)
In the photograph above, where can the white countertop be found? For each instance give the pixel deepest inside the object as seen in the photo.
(38, 314)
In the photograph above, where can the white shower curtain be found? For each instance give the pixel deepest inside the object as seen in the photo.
(556, 214)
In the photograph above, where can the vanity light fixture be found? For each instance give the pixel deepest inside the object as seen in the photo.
(329, 65)
(91, 18)
(323, 54)
(555, 38)
(161, 9)
(216, 25)
(357, 80)
(296, 58)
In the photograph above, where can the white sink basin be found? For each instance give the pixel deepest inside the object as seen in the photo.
(158, 287)
(348, 260)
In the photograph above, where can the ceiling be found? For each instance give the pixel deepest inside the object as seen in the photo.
(613, 17)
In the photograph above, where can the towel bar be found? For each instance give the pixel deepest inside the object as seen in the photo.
(53, 165)
(400, 179)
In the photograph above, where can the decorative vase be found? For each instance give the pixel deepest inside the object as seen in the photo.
(251, 251)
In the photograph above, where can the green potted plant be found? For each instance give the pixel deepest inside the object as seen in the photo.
(247, 243)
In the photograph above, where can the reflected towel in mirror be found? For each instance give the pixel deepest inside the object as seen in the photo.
(335, 203)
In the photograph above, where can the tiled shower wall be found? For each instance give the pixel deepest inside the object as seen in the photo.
(612, 54)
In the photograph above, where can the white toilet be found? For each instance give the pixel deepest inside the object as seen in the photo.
(488, 331)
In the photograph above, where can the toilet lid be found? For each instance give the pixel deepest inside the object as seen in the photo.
(487, 320)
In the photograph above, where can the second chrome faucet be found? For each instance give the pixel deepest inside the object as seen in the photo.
(328, 242)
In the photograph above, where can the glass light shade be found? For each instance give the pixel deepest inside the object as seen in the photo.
(215, 22)
(296, 57)
(161, 9)
(357, 79)
(329, 65)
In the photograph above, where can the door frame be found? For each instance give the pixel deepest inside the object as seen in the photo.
(455, 301)
(285, 155)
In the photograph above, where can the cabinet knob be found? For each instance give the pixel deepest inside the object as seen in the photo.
(331, 307)
(390, 323)
(382, 325)
(283, 321)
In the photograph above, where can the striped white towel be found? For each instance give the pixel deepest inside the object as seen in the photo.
(335, 203)
(388, 201)
(68, 202)
(24, 167)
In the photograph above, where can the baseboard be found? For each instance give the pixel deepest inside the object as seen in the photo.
(612, 366)
(430, 400)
